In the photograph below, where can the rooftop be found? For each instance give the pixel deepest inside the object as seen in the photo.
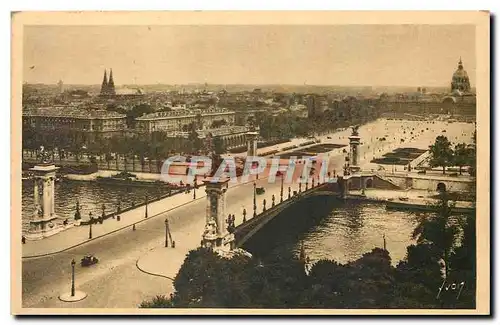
(72, 112)
(183, 112)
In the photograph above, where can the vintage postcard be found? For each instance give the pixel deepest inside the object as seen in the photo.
(250, 163)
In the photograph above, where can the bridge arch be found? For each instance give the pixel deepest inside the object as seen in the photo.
(441, 187)
(349, 185)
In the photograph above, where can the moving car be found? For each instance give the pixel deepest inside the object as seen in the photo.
(89, 260)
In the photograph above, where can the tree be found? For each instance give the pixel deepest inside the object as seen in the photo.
(461, 156)
(463, 261)
(218, 145)
(441, 153)
(439, 230)
(193, 138)
(417, 278)
(208, 280)
(159, 301)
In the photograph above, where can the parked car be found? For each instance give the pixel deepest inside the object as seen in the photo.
(89, 260)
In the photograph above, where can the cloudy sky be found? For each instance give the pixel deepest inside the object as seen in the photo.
(377, 55)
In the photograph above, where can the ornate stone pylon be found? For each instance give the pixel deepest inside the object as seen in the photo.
(354, 141)
(44, 222)
(252, 143)
(251, 137)
(216, 235)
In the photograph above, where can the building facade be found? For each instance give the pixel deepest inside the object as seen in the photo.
(179, 120)
(84, 125)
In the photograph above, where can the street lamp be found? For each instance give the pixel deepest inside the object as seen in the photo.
(91, 221)
(166, 232)
(194, 187)
(73, 278)
(146, 212)
(281, 190)
(254, 200)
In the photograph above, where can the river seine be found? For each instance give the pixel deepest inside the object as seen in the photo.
(90, 195)
(334, 229)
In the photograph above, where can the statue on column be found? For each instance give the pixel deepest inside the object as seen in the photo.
(355, 130)
(45, 156)
(251, 123)
(210, 229)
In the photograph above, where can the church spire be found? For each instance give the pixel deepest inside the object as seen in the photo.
(104, 86)
(460, 66)
(111, 83)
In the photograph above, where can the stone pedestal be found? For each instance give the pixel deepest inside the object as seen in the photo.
(216, 235)
(67, 297)
(44, 221)
(252, 143)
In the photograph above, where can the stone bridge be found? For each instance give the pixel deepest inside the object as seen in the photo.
(247, 229)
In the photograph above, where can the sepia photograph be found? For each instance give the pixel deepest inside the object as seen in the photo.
(250, 163)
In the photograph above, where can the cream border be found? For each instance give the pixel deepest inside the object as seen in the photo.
(481, 19)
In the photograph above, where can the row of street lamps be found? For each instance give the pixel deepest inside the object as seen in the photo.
(273, 198)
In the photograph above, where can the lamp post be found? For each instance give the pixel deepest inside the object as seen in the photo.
(254, 200)
(103, 211)
(166, 232)
(91, 221)
(281, 190)
(73, 278)
(194, 187)
(146, 211)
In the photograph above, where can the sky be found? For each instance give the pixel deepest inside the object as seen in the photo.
(344, 55)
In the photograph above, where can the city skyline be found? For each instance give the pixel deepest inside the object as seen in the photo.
(341, 55)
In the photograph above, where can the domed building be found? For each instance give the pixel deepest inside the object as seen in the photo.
(460, 80)
(461, 100)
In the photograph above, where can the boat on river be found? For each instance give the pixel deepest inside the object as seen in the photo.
(128, 179)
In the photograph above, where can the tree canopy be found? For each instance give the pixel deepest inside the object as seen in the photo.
(441, 153)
